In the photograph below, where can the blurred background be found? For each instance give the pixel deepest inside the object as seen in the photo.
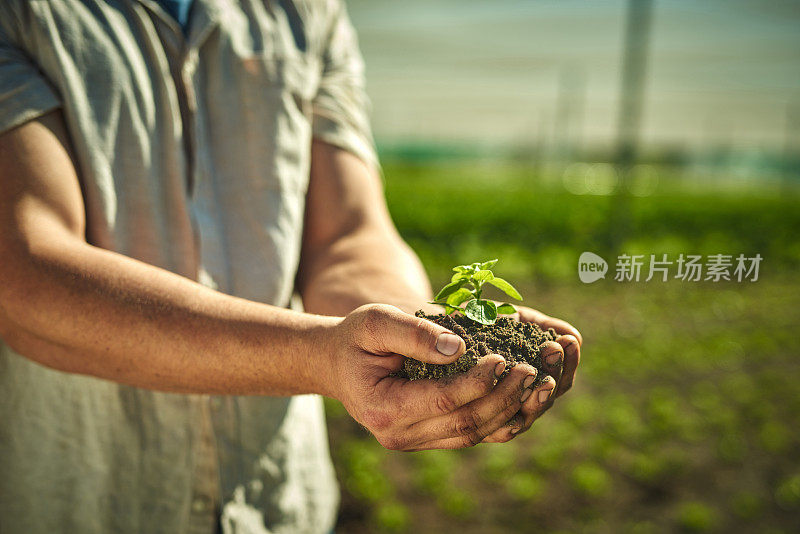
(532, 131)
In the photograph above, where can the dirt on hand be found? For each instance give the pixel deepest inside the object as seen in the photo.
(513, 340)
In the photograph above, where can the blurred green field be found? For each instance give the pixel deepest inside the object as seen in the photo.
(686, 411)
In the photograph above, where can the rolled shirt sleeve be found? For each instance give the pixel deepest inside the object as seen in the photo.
(25, 93)
(341, 106)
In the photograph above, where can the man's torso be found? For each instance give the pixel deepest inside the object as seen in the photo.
(193, 154)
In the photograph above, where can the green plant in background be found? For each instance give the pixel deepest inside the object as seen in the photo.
(590, 479)
(391, 516)
(525, 486)
(475, 275)
(748, 504)
(456, 503)
(365, 478)
(787, 494)
(695, 516)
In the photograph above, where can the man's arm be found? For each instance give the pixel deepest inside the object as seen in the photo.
(352, 253)
(81, 309)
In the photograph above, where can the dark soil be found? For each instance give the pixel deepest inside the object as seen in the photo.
(513, 340)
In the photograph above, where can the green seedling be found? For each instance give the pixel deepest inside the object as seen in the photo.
(466, 288)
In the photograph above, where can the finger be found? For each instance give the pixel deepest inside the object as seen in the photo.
(415, 400)
(538, 402)
(572, 357)
(506, 432)
(545, 321)
(388, 330)
(552, 354)
(470, 424)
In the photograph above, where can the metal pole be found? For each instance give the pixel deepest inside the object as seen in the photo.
(634, 64)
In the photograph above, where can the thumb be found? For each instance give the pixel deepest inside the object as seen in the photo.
(392, 331)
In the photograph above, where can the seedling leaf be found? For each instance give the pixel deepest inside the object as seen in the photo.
(506, 309)
(483, 276)
(459, 276)
(481, 311)
(460, 296)
(505, 287)
(488, 264)
(450, 288)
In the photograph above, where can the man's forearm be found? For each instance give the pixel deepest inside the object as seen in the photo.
(365, 267)
(352, 253)
(81, 309)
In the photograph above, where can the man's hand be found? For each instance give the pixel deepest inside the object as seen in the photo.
(561, 358)
(457, 412)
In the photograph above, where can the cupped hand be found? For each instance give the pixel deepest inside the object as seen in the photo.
(369, 346)
(561, 358)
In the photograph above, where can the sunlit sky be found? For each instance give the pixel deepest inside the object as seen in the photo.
(721, 72)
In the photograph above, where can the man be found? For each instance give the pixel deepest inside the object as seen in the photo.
(164, 188)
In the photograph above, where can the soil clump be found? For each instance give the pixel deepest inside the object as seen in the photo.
(513, 340)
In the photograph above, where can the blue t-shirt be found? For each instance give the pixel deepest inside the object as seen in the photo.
(179, 9)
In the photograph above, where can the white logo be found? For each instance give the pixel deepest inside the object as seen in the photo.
(591, 267)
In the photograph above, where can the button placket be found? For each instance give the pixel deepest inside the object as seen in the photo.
(205, 500)
(188, 67)
(187, 79)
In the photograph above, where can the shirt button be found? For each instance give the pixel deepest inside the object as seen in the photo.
(199, 505)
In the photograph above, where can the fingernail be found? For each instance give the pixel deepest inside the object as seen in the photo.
(525, 395)
(544, 395)
(553, 358)
(499, 368)
(514, 431)
(448, 343)
(527, 382)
